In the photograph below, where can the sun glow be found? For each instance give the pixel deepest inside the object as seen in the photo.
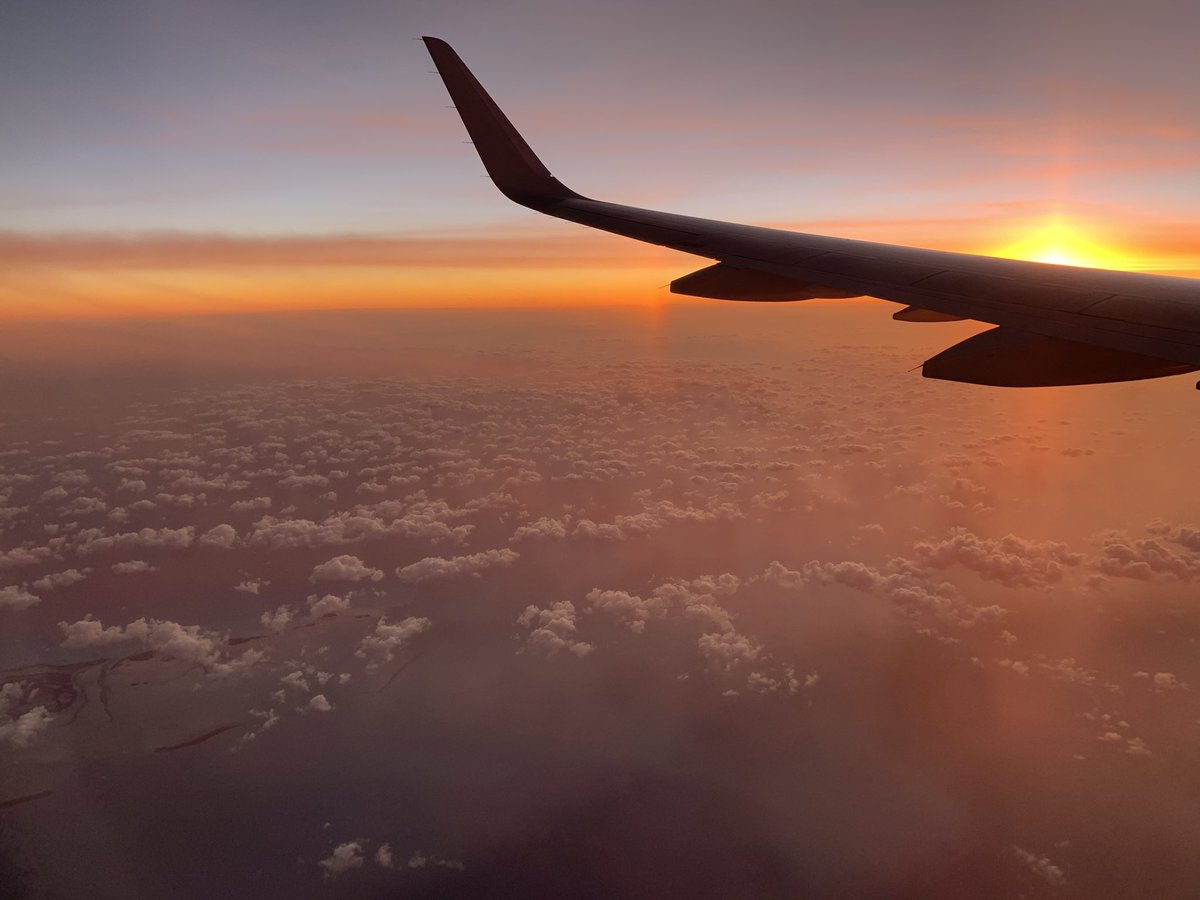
(1064, 243)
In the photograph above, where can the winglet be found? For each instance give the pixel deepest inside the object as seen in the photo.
(514, 168)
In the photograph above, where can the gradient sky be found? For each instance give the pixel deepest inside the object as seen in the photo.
(208, 156)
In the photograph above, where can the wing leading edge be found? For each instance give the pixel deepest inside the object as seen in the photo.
(1056, 324)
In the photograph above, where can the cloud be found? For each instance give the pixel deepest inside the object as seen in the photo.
(251, 585)
(1143, 559)
(382, 646)
(726, 649)
(16, 597)
(1011, 561)
(901, 581)
(93, 540)
(553, 629)
(319, 703)
(654, 517)
(344, 857)
(542, 528)
(416, 517)
(132, 567)
(224, 536)
(319, 606)
(432, 568)
(278, 620)
(252, 504)
(1041, 866)
(345, 568)
(59, 580)
(24, 729)
(88, 632)
(187, 643)
(24, 556)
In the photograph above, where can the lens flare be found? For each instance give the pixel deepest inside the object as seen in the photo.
(1065, 243)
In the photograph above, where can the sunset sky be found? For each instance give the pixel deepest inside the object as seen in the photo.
(165, 157)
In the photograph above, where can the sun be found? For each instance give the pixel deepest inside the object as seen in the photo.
(1064, 243)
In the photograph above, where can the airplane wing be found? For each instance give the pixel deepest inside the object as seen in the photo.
(1057, 325)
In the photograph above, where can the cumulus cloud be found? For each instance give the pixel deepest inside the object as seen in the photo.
(542, 528)
(132, 567)
(698, 599)
(1011, 561)
(1143, 559)
(23, 556)
(432, 568)
(344, 857)
(319, 703)
(23, 730)
(59, 580)
(1041, 866)
(223, 536)
(381, 646)
(278, 620)
(553, 629)
(17, 597)
(901, 581)
(94, 540)
(726, 649)
(88, 632)
(654, 517)
(345, 568)
(415, 517)
(251, 585)
(324, 605)
(188, 643)
(252, 504)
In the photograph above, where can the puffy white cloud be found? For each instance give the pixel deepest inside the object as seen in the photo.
(89, 632)
(345, 568)
(251, 585)
(1123, 557)
(725, 649)
(900, 581)
(187, 643)
(59, 579)
(24, 729)
(1041, 866)
(16, 597)
(278, 620)
(1168, 681)
(432, 568)
(381, 646)
(295, 680)
(252, 504)
(93, 540)
(323, 605)
(132, 567)
(413, 519)
(82, 506)
(224, 536)
(553, 629)
(655, 517)
(1011, 561)
(344, 857)
(24, 556)
(542, 528)
(319, 703)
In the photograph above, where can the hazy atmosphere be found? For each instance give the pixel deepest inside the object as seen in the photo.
(363, 534)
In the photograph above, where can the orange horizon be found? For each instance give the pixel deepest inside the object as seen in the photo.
(89, 276)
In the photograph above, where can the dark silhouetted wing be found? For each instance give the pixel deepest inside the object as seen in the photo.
(1057, 324)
